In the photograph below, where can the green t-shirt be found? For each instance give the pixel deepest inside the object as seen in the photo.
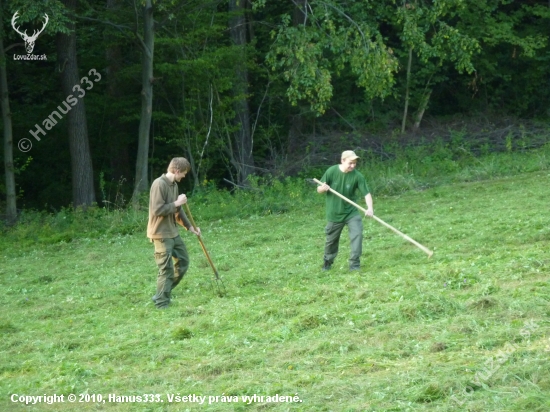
(338, 210)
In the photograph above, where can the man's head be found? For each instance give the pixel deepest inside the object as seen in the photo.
(179, 166)
(348, 160)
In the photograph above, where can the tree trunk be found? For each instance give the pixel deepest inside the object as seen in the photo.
(118, 146)
(422, 109)
(81, 159)
(142, 182)
(243, 136)
(11, 203)
(407, 90)
(299, 13)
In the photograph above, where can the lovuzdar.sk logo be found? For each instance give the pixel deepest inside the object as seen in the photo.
(29, 40)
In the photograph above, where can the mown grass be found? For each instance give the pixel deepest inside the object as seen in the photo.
(406, 333)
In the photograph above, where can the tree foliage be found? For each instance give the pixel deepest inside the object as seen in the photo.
(331, 38)
(314, 68)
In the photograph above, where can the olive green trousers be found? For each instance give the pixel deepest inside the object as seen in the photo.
(173, 261)
(333, 230)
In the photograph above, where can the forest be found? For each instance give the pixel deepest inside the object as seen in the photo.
(106, 92)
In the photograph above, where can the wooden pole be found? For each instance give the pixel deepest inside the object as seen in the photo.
(190, 216)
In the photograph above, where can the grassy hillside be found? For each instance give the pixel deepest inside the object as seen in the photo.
(466, 330)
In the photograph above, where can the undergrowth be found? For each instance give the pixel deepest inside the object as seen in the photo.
(415, 168)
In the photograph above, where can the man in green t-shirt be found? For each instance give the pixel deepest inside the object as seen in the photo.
(344, 179)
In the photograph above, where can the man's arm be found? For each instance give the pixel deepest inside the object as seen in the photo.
(159, 204)
(323, 188)
(182, 219)
(370, 209)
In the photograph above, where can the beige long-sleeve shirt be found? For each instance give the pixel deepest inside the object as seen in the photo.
(163, 213)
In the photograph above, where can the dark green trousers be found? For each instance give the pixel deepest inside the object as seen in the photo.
(172, 261)
(333, 231)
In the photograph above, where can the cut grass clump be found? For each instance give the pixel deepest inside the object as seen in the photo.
(44, 279)
(308, 322)
(182, 334)
(485, 302)
(430, 393)
(7, 327)
(438, 347)
(428, 307)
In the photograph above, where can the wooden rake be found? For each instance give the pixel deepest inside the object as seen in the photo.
(219, 286)
(404, 236)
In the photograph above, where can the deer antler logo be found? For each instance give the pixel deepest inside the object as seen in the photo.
(29, 40)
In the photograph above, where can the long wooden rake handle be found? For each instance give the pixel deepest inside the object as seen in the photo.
(190, 216)
(404, 236)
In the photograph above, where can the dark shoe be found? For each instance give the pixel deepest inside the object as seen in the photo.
(354, 268)
(326, 266)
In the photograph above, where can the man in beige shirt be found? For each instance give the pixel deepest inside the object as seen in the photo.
(164, 212)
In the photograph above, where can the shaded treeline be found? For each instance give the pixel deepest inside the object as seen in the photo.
(243, 87)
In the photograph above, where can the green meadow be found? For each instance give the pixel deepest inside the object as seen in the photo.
(467, 330)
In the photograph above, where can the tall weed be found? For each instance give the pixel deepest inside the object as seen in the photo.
(445, 163)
